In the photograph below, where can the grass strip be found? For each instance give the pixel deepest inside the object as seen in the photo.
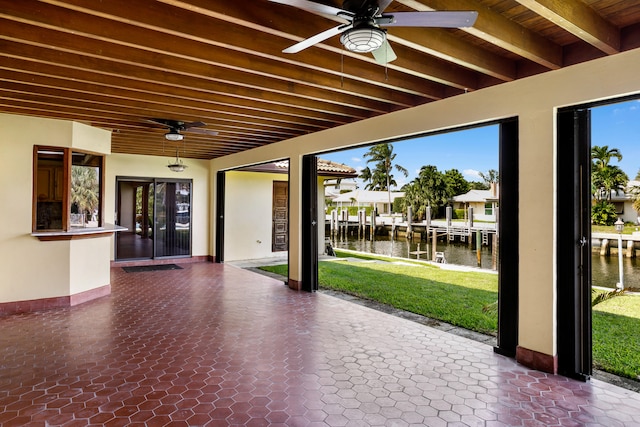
(616, 341)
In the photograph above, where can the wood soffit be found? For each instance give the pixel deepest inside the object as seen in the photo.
(115, 64)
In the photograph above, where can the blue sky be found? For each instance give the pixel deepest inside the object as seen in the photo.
(476, 150)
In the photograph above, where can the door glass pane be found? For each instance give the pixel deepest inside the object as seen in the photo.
(173, 219)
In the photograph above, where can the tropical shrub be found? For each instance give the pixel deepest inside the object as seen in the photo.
(603, 213)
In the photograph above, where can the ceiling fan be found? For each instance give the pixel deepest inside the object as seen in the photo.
(362, 30)
(176, 126)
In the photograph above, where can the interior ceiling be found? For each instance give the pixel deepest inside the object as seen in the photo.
(115, 64)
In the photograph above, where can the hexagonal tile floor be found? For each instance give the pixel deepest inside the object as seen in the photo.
(217, 345)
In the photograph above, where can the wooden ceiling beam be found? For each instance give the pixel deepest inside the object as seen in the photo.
(85, 114)
(50, 75)
(580, 20)
(498, 30)
(445, 46)
(140, 108)
(437, 43)
(185, 33)
(131, 62)
(99, 69)
(282, 21)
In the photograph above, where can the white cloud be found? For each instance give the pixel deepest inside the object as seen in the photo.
(356, 159)
(471, 174)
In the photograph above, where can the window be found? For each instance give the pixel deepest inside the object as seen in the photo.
(68, 189)
(488, 208)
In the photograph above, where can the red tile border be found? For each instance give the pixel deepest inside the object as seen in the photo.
(31, 306)
(89, 295)
(536, 360)
(296, 285)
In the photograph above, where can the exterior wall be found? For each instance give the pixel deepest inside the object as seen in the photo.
(629, 214)
(247, 217)
(534, 101)
(32, 269)
(129, 165)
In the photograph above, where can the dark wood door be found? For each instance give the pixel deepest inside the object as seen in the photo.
(280, 217)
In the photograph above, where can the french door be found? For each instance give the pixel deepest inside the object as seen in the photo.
(157, 213)
(172, 208)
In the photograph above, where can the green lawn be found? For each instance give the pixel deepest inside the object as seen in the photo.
(616, 336)
(458, 298)
(451, 296)
(628, 229)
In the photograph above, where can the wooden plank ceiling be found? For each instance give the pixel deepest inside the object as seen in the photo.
(115, 64)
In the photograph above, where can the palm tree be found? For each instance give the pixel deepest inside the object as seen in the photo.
(601, 156)
(84, 189)
(383, 156)
(366, 176)
(606, 178)
(491, 177)
(610, 179)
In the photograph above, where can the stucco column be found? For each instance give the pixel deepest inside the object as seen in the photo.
(295, 244)
(537, 293)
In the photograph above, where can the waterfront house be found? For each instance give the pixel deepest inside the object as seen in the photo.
(623, 201)
(483, 202)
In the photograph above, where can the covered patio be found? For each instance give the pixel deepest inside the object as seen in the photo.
(212, 344)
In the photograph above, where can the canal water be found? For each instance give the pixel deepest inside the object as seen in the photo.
(604, 270)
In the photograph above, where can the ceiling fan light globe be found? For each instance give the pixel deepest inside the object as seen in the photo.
(363, 40)
(173, 136)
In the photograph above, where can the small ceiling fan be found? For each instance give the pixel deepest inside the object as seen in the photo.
(361, 31)
(176, 126)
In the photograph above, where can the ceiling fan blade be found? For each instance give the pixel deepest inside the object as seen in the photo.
(163, 122)
(384, 54)
(202, 131)
(429, 19)
(312, 7)
(193, 125)
(382, 4)
(316, 39)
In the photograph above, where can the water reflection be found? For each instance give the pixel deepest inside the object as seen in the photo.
(454, 253)
(604, 269)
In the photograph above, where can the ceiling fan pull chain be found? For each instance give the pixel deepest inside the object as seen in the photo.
(341, 69)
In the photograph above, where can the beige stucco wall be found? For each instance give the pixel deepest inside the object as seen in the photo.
(32, 269)
(534, 100)
(132, 166)
(248, 215)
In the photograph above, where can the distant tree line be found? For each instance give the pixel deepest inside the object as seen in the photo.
(434, 189)
(431, 188)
